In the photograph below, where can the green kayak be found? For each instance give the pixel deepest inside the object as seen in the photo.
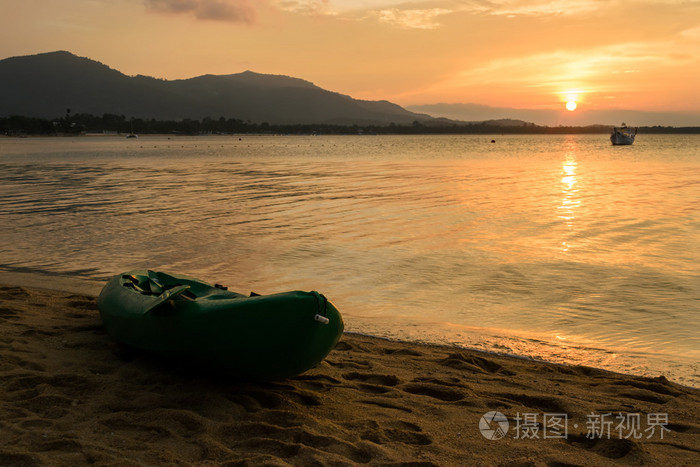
(259, 336)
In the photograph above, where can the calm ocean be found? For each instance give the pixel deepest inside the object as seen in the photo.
(562, 248)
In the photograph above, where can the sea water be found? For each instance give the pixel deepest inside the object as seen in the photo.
(561, 248)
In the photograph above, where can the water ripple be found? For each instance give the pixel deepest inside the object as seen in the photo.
(545, 239)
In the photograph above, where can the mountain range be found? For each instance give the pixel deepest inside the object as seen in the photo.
(46, 85)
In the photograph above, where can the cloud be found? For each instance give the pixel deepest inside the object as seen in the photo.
(513, 8)
(237, 11)
(412, 19)
(692, 34)
(543, 7)
(307, 7)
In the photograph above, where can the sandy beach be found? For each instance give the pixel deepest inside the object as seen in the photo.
(72, 396)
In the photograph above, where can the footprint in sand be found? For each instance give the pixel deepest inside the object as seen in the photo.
(263, 438)
(13, 292)
(683, 428)
(86, 304)
(373, 388)
(372, 383)
(39, 333)
(34, 424)
(343, 346)
(387, 405)
(372, 378)
(95, 328)
(436, 391)
(51, 407)
(318, 383)
(661, 387)
(547, 404)
(473, 364)
(406, 352)
(14, 383)
(255, 400)
(15, 361)
(62, 445)
(131, 423)
(12, 458)
(645, 396)
(8, 313)
(391, 432)
(351, 364)
(613, 448)
(407, 433)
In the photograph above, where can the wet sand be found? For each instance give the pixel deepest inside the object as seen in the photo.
(72, 396)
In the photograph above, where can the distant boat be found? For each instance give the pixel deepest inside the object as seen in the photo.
(132, 134)
(623, 135)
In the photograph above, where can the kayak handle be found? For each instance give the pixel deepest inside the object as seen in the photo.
(322, 319)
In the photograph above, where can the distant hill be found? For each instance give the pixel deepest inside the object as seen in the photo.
(45, 85)
(476, 113)
(583, 116)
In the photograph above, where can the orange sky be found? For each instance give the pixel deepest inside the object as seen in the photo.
(637, 55)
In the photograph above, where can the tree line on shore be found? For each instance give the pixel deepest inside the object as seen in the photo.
(78, 124)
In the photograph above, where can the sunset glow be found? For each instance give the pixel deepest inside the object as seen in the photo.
(519, 54)
(571, 106)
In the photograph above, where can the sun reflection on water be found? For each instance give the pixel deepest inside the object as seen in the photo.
(570, 200)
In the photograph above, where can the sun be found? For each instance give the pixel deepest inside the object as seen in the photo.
(571, 106)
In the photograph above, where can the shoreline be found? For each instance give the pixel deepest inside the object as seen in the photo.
(71, 395)
(92, 288)
(506, 355)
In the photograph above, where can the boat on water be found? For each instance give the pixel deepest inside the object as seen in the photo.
(131, 134)
(262, 337)
(623, 135)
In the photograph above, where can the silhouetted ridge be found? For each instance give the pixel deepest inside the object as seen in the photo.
(45, 85)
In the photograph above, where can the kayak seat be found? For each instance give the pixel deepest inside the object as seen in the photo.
(155, 287)
(131, 285)
(188, 294)
(150, 287)
(133, 279)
